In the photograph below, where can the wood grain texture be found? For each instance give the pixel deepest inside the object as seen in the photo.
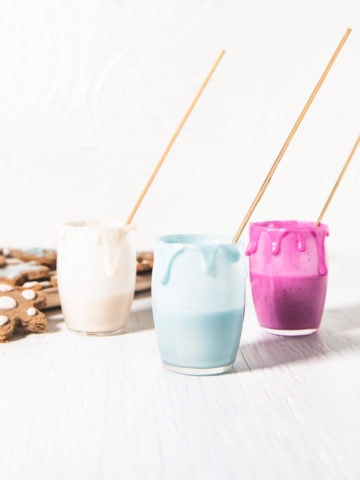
(103, 408)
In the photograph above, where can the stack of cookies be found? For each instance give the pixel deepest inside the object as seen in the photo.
(28, 285)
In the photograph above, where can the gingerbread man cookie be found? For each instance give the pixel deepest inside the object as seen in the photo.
(42, 256)
(19, 307)
(18, 273)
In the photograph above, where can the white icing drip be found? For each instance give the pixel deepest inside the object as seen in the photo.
(110, 238)
(28, 294)
(4, 287)
(7, 303)
(3, 320)
(31, 311)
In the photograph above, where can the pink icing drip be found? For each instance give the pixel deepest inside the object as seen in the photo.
(301, 242)
(252, 247)
(320, 240)
(277, 236)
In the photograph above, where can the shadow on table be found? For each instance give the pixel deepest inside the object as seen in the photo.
(336, 334)
(139, 321)
(55, 317)
(52, 327)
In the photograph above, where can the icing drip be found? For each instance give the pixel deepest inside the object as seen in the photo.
(320, 239)
(110, 238)
(208, 257)
(165, 277)
(276, 237)
(3, 320)
(301, 242)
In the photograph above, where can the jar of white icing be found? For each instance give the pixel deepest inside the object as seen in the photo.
(96, 269)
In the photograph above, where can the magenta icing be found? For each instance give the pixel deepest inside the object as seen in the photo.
(277, 231)
(288, 274)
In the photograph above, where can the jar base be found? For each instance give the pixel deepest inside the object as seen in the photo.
(290, 333)
(198, 371)
(97, 334)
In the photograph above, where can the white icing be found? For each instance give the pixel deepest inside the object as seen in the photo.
(110, 238)
(4, 287)
(7, 303)
(31, 311)
(28, 294)
(13, 261)
(30, 284)
(6, 251)
(3, 320)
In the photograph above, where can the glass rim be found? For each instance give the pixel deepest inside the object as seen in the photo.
(82, 225)
(194, 239)
(294, 225)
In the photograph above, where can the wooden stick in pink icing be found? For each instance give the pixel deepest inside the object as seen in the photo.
(290, 137)
(347, 163)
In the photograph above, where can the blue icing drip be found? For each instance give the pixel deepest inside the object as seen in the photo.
(208, 258)
(208, 253)
(165, 277)
(232, 253)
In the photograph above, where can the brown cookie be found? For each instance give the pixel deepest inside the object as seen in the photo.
(41, 256)
(49, 289)
(2, 261)
(19, 307)
(18, 273)
(53, 279)
(144, 262)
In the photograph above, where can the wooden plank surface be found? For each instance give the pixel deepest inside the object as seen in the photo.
(103, 408)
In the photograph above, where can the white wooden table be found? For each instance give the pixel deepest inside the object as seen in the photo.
(76, 407)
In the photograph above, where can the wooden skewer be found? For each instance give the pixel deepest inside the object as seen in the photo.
(290, 136)
(347, 163)
(173, 138)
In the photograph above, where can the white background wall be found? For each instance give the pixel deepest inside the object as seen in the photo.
(91, 91)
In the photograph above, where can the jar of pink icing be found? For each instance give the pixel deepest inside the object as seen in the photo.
(288, 275)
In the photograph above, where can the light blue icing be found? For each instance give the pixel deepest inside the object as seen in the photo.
(14, 270)
(208, 254)
(36, 251)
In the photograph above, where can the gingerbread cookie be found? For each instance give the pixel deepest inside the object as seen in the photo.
(18, 273)
(2, 257)
(144, 262)
(19, 307)
(41, 256)
(49, 288)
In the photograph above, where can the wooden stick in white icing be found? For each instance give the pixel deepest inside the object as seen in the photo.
(173, 138)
